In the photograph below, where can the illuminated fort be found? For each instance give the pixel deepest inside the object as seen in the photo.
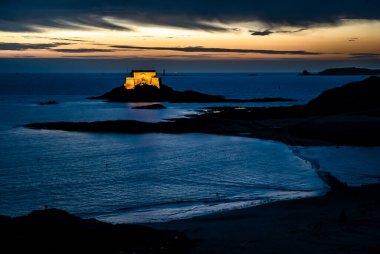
(142, 77)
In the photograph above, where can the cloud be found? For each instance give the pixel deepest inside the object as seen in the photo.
(82, 50)
(269, 32)
(291, 31)
(55, 38)
(261, 33)
(26, 15)
(353, 39)
(225, 50)
(365, 55)
(26, 46)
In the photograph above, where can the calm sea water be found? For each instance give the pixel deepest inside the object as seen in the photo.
(155, 177)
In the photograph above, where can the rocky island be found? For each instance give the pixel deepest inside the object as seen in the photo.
(347, 115)
(145, 86)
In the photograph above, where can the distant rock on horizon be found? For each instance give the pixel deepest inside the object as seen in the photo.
(305, 73)
(350, 71)
(48, 103)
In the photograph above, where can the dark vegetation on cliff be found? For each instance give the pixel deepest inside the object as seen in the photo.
(348, 115)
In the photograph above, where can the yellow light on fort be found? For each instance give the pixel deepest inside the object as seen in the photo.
(142, 77)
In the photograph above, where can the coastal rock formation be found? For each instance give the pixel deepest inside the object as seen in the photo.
(151, 106)
(148, 93)
(349, 115)
(57, 231)
(352, 97)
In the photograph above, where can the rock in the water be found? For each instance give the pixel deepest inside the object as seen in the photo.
(48, 102)
(151, 106)
(305, 73)
(145, 93)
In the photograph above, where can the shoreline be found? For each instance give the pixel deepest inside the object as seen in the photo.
(331, 182)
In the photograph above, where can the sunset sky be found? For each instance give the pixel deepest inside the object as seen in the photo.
(112, 36)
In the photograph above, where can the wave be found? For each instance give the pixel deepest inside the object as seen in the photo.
(313, 162)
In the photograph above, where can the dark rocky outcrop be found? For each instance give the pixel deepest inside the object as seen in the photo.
(145, 93)
(48, 102)
(352, 97)
(305, 73)
(151, 106)
(349, 71)
(56, 231)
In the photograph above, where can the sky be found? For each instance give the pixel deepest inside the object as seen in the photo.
(188, 36)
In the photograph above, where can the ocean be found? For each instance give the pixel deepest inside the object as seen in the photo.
(141, 178)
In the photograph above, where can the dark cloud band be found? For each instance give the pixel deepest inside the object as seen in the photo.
(198, 49)
(224, 50)
(82, 50)
(26, 15)
(26, 46)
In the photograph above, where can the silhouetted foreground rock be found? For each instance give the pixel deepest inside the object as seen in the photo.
(56, 231)
(147, 93)
(349, 115)
(151, 106)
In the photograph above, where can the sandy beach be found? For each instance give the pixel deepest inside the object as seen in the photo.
(344, 221)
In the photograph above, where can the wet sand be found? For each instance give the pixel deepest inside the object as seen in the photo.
(343, 221)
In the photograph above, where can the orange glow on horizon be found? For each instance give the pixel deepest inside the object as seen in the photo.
(351, 37)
